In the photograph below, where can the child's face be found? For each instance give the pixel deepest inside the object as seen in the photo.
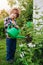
(13, 15)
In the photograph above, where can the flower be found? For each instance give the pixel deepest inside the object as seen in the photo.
(21, 45)
(31, 45)
(22, 54)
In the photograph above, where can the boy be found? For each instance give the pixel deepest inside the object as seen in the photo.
(11, 43)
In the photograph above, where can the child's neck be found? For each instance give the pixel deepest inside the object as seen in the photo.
(12, 18)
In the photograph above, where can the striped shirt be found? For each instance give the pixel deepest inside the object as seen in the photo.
(8, 21)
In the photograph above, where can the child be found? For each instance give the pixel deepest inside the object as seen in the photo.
(11, 43)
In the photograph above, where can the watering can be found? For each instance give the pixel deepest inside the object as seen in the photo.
(14, 32)
(29, 24)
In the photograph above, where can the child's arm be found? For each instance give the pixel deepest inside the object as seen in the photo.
(15, 25)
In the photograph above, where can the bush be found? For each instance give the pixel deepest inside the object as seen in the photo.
(2, 32)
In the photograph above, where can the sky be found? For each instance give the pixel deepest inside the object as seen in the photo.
(4, 5)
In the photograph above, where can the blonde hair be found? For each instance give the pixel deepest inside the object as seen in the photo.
(16, 11)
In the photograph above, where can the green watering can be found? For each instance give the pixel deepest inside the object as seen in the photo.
(29, 24)
(14, 33)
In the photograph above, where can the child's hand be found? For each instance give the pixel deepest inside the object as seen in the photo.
(17, 26)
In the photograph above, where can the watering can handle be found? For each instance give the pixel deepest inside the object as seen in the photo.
(12, 25)
(9, 25)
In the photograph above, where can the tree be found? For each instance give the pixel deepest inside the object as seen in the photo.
(3, 14)
(11, 2)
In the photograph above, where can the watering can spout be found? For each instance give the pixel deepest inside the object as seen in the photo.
(20, 36)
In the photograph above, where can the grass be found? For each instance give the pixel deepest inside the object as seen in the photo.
(3, 53)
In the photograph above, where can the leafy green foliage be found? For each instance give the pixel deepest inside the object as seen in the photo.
(2, 32)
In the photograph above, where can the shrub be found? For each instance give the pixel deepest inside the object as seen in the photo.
(2, 32)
